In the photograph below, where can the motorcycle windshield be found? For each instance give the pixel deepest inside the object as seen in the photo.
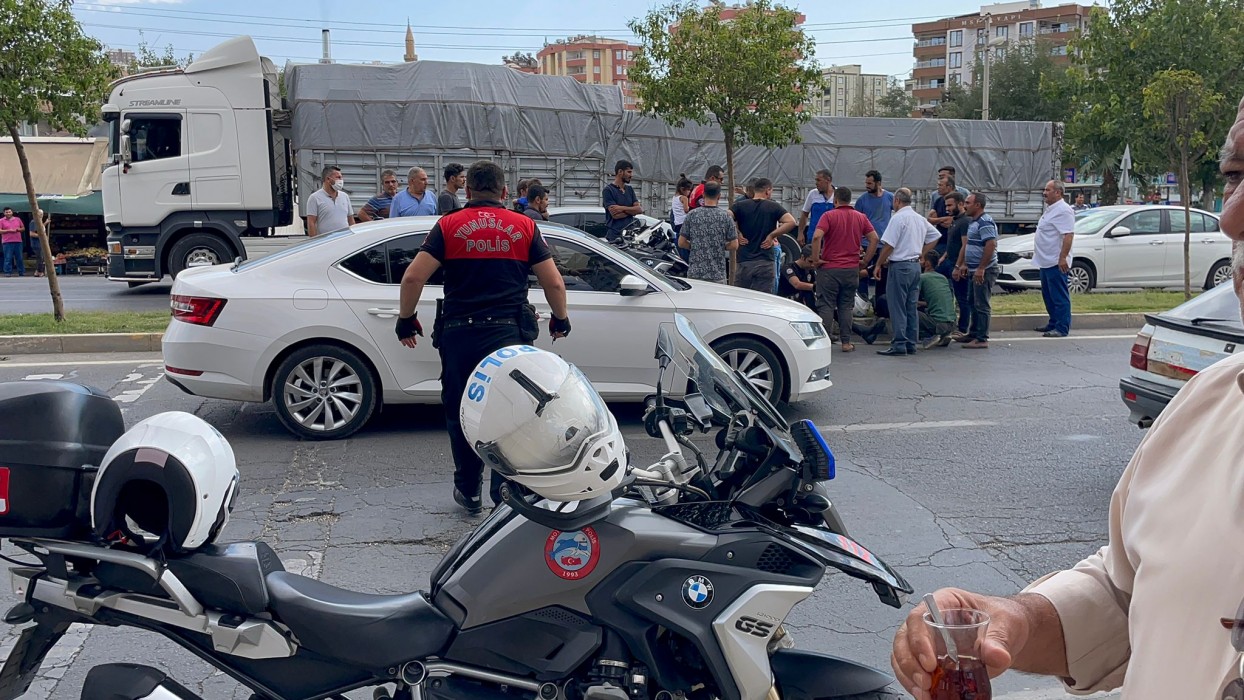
(722, 387)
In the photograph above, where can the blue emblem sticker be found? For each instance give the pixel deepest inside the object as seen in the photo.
(697, 592)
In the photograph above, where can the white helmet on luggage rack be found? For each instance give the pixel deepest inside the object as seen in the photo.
(539, 422)
(172, 476)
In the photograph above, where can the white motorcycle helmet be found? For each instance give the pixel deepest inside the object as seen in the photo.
(539, 422)
(172, 477)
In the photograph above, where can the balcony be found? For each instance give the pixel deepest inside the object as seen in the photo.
(931, 63)
(926, 73)
(936, 41)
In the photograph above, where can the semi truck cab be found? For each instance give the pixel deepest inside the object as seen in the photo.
(199, 162)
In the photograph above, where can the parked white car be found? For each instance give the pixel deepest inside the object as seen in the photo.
(1175, 345)
(316, 320)
(1127, 246)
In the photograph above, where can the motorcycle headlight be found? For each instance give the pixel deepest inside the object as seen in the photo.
(809, 331)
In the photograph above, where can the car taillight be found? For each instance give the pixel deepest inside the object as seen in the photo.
(1140, 352)
(201, 311)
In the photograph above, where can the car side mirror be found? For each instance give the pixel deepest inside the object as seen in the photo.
(632, 286)
(1120, 232)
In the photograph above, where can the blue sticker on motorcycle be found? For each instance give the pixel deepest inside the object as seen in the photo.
(697, 592)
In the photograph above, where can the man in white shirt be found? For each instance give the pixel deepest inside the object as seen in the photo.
(1051, 253)
(906, 239)
(328, 208)
(823, 193)
(1157, 611)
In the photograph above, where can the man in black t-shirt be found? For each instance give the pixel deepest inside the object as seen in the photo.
(798, 279)
(488, 252)
(954, 242)
(760, 220)
(621, 204)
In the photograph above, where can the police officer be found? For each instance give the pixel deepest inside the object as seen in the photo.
(488, 251)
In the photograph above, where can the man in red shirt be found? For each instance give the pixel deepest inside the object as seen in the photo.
(836, 250)
(715, 173)
(11, 235)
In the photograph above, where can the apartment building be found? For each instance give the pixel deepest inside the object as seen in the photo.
(850, 92)
(591, 59)
(948, 50)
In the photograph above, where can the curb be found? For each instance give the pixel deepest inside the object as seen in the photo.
(150, 342)
(1079, 322)
(79, 343)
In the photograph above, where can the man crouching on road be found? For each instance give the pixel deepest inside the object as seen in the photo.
(487, 251)
(1157, 611)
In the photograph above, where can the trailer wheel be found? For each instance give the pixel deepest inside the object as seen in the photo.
(196, 250)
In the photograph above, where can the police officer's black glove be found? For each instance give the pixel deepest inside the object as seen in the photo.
(409, 327)
(559, 325)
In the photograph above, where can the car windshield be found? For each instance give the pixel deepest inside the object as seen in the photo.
(296, 247)
(1094, 221)
(1219, 307)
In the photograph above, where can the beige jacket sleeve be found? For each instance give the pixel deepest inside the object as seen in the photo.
(1093, 598)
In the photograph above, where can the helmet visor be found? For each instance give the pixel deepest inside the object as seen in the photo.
(551, 441)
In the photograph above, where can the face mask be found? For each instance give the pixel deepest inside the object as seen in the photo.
(339, 185)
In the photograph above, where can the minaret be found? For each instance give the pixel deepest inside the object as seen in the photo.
(411, 56)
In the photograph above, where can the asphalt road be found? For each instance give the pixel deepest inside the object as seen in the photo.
(29, 295)
(982, 470)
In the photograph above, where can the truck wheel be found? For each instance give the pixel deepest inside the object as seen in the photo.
(198, 249)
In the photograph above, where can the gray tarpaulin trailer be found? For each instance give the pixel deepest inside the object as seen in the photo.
(365, 118)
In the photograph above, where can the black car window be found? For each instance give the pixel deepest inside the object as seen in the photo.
(594, 223)
(1144, 222)
(584, 269)
(387, 262)
(369, 264)
(566, 219)
(402, 251)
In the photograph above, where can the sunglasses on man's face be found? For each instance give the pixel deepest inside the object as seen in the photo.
(1235, 689)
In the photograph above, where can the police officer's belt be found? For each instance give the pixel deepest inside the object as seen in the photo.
(480, 321)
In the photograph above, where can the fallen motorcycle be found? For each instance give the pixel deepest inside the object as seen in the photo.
(675, 586)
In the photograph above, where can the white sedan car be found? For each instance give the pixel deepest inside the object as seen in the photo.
(311, 327)
(1128, 246)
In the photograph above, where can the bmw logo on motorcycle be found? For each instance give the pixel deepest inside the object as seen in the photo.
(697, 592)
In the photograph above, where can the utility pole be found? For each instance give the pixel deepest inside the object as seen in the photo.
(985, 58)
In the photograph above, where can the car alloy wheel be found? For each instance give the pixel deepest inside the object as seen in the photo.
(1221, 273)
(756, 363)
(1079, 279)
(324, 392)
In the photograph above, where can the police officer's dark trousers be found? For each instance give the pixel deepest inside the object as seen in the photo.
(462, 349)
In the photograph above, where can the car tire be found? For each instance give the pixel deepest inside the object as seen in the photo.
(758, 363)
(324, 392)
(197, 249)
(1081, 278)
(1220, 272)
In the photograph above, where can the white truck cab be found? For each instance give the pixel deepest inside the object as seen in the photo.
(198, 163)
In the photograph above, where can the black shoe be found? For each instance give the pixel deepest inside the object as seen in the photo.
(1043, 329)
(474, 506)
(892, 352)
(1054, 334)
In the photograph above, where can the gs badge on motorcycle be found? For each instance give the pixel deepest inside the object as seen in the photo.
(572, 555)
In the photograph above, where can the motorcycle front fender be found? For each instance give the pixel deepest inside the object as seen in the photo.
(807, 675)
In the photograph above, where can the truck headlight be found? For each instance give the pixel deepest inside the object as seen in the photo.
(809, 331)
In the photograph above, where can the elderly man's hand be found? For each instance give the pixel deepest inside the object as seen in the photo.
(913, 657)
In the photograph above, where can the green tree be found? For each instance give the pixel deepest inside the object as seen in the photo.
(751, 74)
(896, 102)
(1178, 104)
(1124, 47)
(1024, 85)
(49, 71)
(147, 57)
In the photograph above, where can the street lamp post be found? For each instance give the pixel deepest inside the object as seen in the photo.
(990, 43)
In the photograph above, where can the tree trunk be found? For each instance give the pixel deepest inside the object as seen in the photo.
(1185, 196)
(45, 243)
(1109, 193)
(728, 133)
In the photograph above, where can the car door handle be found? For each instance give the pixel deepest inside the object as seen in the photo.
(383, 313)
(1157, 242)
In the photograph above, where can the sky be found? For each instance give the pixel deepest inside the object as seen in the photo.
(876, 35)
